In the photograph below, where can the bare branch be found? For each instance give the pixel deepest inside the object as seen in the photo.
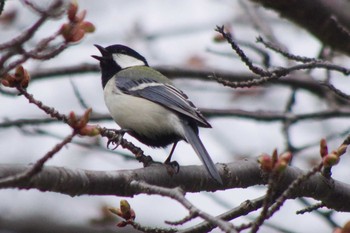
(178, 195)
(240, 174)
(331, 24)
(27, 34)
(267, 116)
(37, 167)
(299, 81)
(241, 210)
(286, 53)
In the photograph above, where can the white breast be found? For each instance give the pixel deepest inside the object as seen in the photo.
(141, 115)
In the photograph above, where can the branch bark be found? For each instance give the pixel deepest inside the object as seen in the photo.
(240, 174)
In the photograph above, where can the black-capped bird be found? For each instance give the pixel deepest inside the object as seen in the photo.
(145, 103)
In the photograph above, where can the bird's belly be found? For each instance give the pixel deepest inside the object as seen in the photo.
(149, 120)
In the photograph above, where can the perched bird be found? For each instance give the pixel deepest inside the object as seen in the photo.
(146, 105)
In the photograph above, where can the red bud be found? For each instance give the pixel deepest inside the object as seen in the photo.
(89, 130)
(330, 160)
(286, 156)
(342, 149)
(76, 34)
(72, 120)
(219, 38)
(72, 10)
(274, 156)
(323, 147)
(280, 165)
(66, 31)
(6, 83)
(22, 76)
(265, 162)
(87, 26)
(80, 16)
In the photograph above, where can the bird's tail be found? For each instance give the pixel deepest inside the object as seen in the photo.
(193, 138)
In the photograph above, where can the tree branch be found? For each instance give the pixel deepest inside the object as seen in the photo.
(241, 174)
(331, 24)
(267, 116)
(38, 166)
(178, 195)
(293, 80)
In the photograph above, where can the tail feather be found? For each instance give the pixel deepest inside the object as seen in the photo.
(193, 138)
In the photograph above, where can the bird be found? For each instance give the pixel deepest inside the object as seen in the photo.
(146, 104)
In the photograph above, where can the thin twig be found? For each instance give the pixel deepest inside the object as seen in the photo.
(286, 53)
(241, 54)
(110, 134)
(37, 167)
(336, 90)
(78, 95)
(243, 209)
(148, 229)
(189, 217)
(265, 75)
(284, 196)
(271, 191)
(48, 110)
(178, 195)
(311, 208)
(264, 116)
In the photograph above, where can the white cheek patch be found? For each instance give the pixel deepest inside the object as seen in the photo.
(125, 61)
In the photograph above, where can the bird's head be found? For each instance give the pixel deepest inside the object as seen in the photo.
(117, 57)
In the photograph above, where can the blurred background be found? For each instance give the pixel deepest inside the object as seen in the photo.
(170, 34)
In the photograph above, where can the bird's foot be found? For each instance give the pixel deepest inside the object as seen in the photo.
(172, 167)
(146, 160)
(116, 139)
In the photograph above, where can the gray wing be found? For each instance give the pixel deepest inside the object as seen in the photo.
(163, 94)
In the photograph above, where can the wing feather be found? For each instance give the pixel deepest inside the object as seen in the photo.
(163, 94)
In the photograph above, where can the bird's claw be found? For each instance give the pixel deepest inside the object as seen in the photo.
(116, 139)
(172, 167)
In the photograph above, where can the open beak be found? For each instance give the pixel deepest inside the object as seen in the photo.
(103, 51)
(97, 57)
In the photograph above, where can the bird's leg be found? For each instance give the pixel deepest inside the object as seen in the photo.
(167, 161)
(174, 165)
(116, 139)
